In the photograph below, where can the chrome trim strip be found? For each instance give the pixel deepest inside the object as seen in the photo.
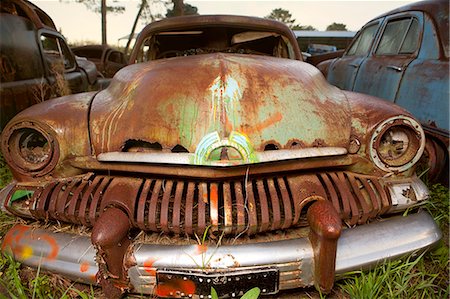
(358, 248)
(189, 158)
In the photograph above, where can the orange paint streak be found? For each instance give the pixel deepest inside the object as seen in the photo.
(13, 237)
(267, 123)
(84, 267)
(53, 244)
(200, 249)
(21, 230)
(148, 266)
(171, 288)
(214, 202)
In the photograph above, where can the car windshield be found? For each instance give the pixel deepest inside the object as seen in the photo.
(209, 40)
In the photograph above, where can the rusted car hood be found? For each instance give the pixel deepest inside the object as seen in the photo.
(177, 101)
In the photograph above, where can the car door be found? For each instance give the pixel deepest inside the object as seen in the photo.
(343, 71)
(61, 65)
(22, 73)
(381, 72)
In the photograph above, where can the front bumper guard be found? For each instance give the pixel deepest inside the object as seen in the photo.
(358, 248)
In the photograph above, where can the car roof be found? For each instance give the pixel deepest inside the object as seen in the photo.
(30, 11)
(437, 9)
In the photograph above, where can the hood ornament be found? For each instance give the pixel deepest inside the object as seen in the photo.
(236, 149)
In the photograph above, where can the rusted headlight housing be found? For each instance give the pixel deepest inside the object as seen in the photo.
(30, 148)
(397, 143)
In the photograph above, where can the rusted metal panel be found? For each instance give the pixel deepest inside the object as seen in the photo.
(173, 108)
(161, 204)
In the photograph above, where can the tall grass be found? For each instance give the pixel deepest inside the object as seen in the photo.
(426, 276)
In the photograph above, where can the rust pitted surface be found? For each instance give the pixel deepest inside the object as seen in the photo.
(182, 206)
(258, 97)
(326, 228)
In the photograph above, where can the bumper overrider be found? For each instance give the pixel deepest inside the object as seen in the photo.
(111, 257)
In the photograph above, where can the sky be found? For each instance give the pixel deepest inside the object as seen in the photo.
(80, 25)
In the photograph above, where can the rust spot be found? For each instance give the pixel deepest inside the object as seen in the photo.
(296, 144)
(319, 143)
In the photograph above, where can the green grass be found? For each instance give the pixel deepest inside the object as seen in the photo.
(426, 276)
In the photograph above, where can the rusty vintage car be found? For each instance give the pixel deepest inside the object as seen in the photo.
(35, 62)
(217, 159)
(403, 56)
(107, 59)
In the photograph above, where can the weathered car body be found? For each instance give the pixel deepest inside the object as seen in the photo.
(34, 59)
(107, 60)
(218, 130)
(403, 56)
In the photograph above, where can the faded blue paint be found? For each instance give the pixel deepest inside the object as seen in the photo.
(425, 91)
(420, 84)
(429, 48)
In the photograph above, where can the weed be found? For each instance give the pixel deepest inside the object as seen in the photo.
(250, 294)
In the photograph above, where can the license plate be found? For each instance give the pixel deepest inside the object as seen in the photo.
(176, 283)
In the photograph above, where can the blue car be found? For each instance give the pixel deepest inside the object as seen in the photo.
(403, 57)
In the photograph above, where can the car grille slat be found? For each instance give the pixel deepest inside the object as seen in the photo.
(189, 209)
(166, 199)
(241, 206)
(176, 211)
(264, 205)
(63, 200)
(287, 204)
(243, 209)
(228, 208)
(275, 201)
(202, 211)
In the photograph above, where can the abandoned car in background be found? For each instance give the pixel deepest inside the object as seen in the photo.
(403, 56)
(107, 60)
(217, 129)
(35, 62)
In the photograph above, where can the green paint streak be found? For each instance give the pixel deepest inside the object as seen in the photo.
(299, 116)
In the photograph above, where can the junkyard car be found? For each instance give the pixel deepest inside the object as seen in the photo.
(403, 56)
(218, 159)
(35, 61)
(107, 60)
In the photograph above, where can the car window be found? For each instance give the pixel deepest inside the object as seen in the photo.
(115, 57)
(56, 53)
(210, 40)
(412, 38)
(363, 42)
(400, 36)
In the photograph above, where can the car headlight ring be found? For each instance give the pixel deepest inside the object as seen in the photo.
(30, 148)
(397, 143)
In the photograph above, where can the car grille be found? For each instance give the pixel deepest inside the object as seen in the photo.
(249, 205)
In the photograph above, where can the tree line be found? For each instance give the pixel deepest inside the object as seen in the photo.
(146, 13)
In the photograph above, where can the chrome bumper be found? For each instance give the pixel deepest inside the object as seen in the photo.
(360, 247)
